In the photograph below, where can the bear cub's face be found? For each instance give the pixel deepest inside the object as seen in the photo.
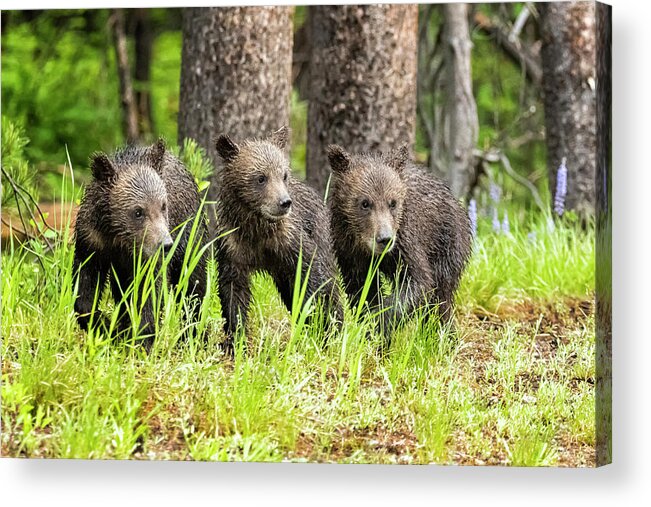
(137, 202)
(258, 173)
(369, 191)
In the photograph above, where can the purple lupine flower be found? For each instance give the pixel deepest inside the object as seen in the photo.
(472, 215)
(505, 224)
(495, 193)
(496, 221)
(561, 189)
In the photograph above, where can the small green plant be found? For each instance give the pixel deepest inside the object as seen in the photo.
(197, 162)
(16, 172)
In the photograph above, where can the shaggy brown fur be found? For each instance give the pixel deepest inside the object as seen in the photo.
(273, 217)
(385, 203)
(139, 198)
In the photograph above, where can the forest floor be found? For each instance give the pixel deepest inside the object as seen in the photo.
(514, 385)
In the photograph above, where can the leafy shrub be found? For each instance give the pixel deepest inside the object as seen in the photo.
(14, 164)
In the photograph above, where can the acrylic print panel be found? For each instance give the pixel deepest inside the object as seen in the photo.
(349, 234)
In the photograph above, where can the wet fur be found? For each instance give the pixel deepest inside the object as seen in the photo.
(105, 238)
(432, 238)
(258, 243)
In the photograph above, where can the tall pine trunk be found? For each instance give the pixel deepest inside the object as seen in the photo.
(362, 81)
(144, 40)
(457, 125)
(127, 97)
(569, 62)
(235, 74)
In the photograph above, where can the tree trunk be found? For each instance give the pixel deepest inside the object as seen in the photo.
(568, 60)
(301, 61)
(127, 98)
(457, 125)
(144, 41)
(362, 91)
(235, 74)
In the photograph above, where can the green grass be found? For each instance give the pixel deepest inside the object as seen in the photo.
(514, 385)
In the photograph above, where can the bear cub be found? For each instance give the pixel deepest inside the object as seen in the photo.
(135, 205)
(265, 219)
(382, 203)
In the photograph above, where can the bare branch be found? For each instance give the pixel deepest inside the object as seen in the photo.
(520, 21)
(495, 156)
(19, 193)
(514, 47)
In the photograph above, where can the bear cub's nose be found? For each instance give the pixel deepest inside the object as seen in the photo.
(285, 203)
(383, 241)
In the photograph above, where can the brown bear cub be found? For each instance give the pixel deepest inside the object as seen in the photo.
(135, 205)
(384, 203)
(272, 218)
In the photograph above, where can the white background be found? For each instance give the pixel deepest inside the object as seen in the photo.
(625, 482)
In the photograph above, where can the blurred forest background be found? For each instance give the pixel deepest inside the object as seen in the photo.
(472, 88)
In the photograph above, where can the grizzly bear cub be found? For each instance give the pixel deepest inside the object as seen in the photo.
(265, 220)
(135, 205)
(382, 203)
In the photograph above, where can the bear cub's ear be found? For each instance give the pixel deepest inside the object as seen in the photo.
(157, 155)
(338, 158)
(398, 158)
(280, 137)
(101, 167)
(226, 148)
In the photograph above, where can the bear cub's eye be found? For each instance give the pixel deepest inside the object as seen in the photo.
(262, 178)
(392, 204)
(285, 177)
(365, 204)
(163, 207)
(138, 213)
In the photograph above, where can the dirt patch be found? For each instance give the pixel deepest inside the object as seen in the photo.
(386, 446)
(54, 215)
(164, 438)
(574, 454)
(551, 322)
(544, 328)
(462, 454)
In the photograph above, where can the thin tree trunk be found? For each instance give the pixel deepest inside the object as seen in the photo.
(143, 45)
(457, 124)
(568, 60)
(362, 73)
(301, 60)
(127, 98)
(235, 74)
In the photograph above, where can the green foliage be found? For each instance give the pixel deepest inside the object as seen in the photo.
(59, 83)
(197, 162)
(298, 126)
(165, 79)
(14, 163)
(300, 16)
